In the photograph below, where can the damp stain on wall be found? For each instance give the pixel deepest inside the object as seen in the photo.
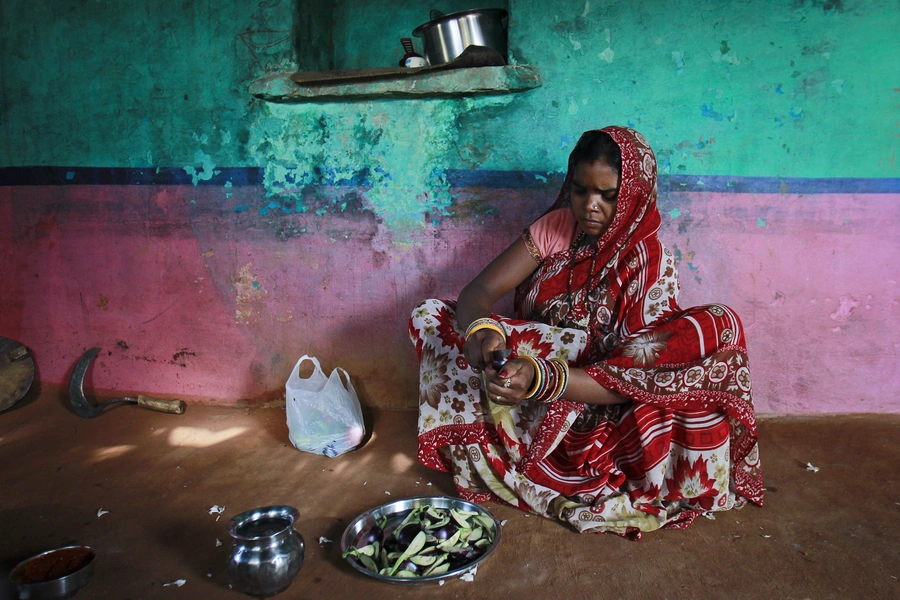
(349, 146)
(388, 162)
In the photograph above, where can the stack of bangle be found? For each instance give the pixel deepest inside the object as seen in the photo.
(486, 323)
(550, 379)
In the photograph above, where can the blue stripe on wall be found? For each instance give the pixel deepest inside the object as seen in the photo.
(690, 183)
(15, 176)
(456, 178)
(779, 185)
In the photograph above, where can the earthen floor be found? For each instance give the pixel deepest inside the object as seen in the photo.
(826, 534)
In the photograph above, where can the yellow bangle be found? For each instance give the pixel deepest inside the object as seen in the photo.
(479, 324)
(487, 326)
(481, 321)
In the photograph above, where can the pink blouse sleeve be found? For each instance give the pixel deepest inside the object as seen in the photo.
(550, 234)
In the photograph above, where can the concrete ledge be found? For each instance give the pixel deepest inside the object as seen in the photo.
(280, 88)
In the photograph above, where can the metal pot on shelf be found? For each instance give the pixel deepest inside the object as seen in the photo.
(446, 36)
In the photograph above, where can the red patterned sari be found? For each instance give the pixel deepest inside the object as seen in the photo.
(684, 444)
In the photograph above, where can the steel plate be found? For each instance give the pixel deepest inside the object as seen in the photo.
(395, 512)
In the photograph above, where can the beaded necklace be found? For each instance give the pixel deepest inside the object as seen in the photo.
(584, 321)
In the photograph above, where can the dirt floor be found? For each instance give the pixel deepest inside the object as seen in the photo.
(826, 534)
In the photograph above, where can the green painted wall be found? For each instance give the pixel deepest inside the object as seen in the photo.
(134, 83)
(800, 89)
(804, 88)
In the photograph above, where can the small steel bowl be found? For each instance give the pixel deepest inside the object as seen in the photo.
(395, 512)
(54, 574)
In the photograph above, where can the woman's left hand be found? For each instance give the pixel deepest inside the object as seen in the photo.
(509, 385)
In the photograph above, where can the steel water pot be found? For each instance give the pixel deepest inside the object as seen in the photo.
(266, 551)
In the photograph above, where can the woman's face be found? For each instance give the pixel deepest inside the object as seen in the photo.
(593, 193)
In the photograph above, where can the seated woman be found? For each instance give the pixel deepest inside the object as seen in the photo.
(604, 404)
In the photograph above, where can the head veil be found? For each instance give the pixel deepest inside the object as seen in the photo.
(636, 217)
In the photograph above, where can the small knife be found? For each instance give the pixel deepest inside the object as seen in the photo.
(499, 358)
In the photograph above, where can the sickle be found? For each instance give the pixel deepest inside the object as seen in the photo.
(85, 410)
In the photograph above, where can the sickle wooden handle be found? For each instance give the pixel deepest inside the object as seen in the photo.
(175, 407)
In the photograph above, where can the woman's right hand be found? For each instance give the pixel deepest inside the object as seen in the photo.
(480, 346)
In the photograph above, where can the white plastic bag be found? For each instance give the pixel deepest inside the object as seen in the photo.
(323, 413)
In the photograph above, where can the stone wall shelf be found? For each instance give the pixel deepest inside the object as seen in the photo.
(280, 88)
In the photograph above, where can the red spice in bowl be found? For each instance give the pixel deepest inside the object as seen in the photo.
(52, 565)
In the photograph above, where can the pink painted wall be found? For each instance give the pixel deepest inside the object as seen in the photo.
(815, 280)
(190, 299)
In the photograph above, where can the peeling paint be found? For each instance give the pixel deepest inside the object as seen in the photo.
(682, 256)
(576, 45)
(271, 205)
(248, 291)
(396, 166)
(607, 54)
(726, 54)
(206, 171)
(707, 110)
(847, 304)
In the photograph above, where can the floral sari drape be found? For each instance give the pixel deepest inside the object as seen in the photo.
(683, 444)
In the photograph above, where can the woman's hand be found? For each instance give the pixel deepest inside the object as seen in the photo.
(509, 385)
(480, 346)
